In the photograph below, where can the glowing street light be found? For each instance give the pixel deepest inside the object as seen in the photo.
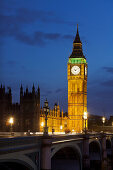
(61, 127)
(11, 121)
(42, 124)
(103, 121)
(85, 118)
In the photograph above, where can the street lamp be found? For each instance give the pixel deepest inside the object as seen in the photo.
(61, 128)
(73, 130)
(11, 121)
(46, 111)
(85, 118)
(42, 124)
(103, 121)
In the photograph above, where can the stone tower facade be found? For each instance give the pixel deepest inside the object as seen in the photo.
(30, 109)
(5, 106)
(77, 86)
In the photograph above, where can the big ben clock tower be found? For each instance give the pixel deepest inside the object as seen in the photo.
(77, 86)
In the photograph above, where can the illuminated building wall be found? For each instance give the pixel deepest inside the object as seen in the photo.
(77, 86)
(56, 120)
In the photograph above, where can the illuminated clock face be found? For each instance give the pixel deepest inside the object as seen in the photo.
(85, 70)
(75, 70)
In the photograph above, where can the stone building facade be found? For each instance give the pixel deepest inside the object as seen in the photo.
(57, 120)
(26, 114)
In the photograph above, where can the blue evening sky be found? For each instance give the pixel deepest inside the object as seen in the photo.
(36, 39)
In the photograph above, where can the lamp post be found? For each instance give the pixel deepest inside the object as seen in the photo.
(61, 128)
(42, 126)
(46, 111)
(85, 118)
(11, 121)
(103, 121)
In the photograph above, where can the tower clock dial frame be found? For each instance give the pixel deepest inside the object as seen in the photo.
(75, 70)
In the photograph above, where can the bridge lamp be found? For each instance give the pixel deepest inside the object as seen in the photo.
(46, 111)
(11, 121)
(103, 121)
(61, 127)
(85, 118)
(42, 124)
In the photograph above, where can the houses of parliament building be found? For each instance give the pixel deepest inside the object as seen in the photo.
(28, 115)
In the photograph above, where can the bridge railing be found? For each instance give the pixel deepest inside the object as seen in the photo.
(18, 143)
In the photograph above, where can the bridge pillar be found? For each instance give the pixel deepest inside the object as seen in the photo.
(104, 152)
(112, 154)
(86, 159)
(46, 153)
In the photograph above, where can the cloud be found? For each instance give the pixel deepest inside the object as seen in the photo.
(68, 37)
(11, 63)
(108, 69)
(108, 83)
(51, 36)
(37, 38)
(10, 27)
(13, 23)
(29, 39)
(45, 92)
(58, 90)
(25, 15)
(28, 15)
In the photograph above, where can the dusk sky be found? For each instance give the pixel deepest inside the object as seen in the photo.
(36, 39)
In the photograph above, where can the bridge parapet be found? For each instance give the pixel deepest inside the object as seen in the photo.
(15, 144)
(47, 146)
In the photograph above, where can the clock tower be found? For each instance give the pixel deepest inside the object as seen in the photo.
(77, 86)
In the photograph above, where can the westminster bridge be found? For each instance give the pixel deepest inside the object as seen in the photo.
(57, 152)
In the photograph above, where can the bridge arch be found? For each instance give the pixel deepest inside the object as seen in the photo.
(19, 160)
(95, 147)
(69, 153)
(96, 141)
(73, 145)
(14, 164)
(108, 143)
(109, 151)
(95, 154)
(112, 141)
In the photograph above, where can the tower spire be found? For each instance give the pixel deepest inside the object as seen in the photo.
(77, 27)
(77, 38)
(77, 47)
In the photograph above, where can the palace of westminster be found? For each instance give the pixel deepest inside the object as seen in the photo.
(29, 116)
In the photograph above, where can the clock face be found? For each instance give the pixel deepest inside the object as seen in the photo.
(75, 70)
(85, 71)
